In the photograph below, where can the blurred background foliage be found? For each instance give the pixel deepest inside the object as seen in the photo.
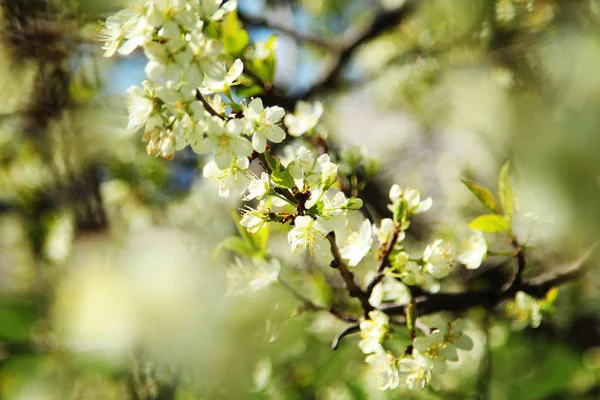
(109, 286)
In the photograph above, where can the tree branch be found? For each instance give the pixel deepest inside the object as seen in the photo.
(383, 264)
(353, 289)
(328, 80)
(298, 36)
(538, 287)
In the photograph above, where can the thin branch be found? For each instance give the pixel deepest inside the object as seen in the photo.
(346, 332)
(328, 80)
(298, 36)
(380, 24)
(308, 304)
(456, 302)
(353, 289)
(384, 263)
(207, 106)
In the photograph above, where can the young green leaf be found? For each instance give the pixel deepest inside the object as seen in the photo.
(260, 240)
(490, 223)
(282, 178)
(505, 191)
(235, 38)
(484, 196)
(272, 162)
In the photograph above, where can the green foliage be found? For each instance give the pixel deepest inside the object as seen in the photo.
(279, 174)
(490, 223)
(500, 220)
(484, 196)
(235, 37)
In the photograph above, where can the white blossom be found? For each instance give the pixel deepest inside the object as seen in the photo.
(258, 187)
(419, 373)
(226, 141)
(358, 244)
(474, 251)
(438, 259)
(308, 233)
(213, 10)
(435, 351)
(389, 290)
(253, 220)
(220, 80)
(140, 107)
(306, 116)
(373, 331)
(230, 179)
(413, 273)
(385, 232)
(264, 121)
(412, 198)
(524, 311)
(385, 366)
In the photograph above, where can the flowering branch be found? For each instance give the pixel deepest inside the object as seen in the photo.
(306, 191)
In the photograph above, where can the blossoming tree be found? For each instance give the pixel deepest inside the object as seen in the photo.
(406, 309)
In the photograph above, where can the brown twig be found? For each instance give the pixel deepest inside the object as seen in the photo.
(348, 331)
(353, 289)
(383, 263)
(207, 106)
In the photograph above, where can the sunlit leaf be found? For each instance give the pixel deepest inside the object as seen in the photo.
(505, 191)
(484, 196)
(490, 223)
(234, 36)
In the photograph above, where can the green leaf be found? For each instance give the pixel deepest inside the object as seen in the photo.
(249, 91)
(279, 174)
(272, 162)
(400, 211)
(490, 223)
(265, 68)
(234, 36)
(260, 240)
(484, 196)
(505, 191)
(282, 178)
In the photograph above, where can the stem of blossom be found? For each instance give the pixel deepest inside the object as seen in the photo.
(308, 304)
(348, 331)
(383, 264)
(353, 289)
(207, 106)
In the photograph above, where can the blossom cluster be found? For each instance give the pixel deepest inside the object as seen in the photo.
(188, 100)
(427, 360)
